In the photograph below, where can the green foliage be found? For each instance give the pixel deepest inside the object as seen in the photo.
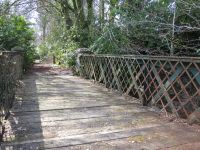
(70, 59)
(43, 50)
(15, 34)
(159, 27)
(29, 57)
(61, 43)
(147, 28)
(111, 41)
(15, 31)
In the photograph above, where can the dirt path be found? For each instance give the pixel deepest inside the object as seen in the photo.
(56, 110)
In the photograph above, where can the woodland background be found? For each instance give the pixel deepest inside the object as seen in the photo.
(147, 27)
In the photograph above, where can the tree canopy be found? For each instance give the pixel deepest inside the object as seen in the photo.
(16, 34)
(150, 27)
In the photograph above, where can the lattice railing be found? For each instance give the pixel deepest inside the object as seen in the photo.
(169, 83)
(11, 69)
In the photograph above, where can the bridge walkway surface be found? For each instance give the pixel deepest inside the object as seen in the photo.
(56, 110)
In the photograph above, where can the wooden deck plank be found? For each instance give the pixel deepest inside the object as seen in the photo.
(157, 138)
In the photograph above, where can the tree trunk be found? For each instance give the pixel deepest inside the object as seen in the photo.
(111, 14)
(65, 12)
(90, 11)
(102, 13)
(81, 16)
(173, 31)
(90, 18)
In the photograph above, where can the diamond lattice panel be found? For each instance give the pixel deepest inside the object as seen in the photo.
(170, 83)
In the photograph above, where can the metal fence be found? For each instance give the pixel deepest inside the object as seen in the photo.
(11, 64)
(172, 84)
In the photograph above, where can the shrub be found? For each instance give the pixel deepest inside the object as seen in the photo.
(16, 34)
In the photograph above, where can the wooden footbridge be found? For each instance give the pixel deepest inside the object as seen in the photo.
(61, 111)
(55, 110)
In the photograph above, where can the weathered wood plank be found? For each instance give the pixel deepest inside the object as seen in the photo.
(157, 134)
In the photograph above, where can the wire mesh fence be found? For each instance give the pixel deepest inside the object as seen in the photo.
(172, 84)
(10, 72)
